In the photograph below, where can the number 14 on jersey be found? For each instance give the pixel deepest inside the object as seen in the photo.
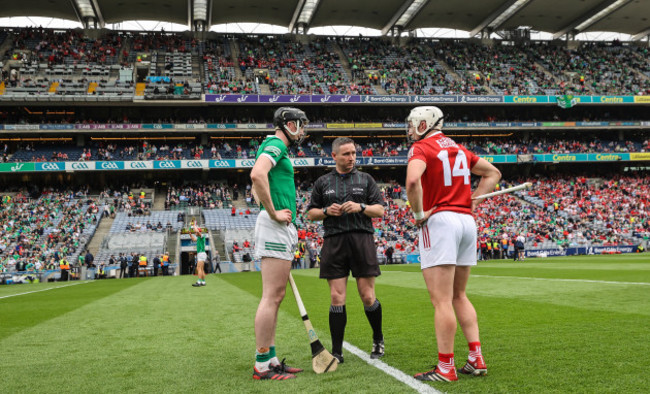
(460, 169)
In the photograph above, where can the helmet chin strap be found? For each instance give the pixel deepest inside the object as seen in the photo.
(423, 136)
(287, 134)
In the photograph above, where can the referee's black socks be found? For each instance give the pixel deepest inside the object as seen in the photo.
(373, 313)
(338, 320)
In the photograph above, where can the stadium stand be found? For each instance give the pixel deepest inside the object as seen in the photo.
(54, 225)
(55, 63)
(49, 151)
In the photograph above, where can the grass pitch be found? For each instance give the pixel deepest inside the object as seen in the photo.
(579, 324)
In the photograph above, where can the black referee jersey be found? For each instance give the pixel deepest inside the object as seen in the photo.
(335, 188)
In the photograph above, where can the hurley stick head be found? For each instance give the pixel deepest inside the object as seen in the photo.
(321, 360)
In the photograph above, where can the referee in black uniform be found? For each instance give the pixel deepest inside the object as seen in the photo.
(346, 199)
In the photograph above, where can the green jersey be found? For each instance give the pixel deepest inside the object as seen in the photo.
(200, 244)
(281, 183)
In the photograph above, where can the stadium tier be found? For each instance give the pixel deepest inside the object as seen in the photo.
(118, 66)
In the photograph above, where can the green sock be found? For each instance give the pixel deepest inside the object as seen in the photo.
(272, 351)
(262, 357)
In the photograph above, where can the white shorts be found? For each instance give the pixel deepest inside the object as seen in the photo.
(274, 239)
(202, 257)
(448, 238)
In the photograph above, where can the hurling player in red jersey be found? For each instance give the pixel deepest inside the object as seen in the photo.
(438, 185)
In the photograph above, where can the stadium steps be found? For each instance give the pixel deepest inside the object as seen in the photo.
(640, 74)
(159, 202)
(126, 47)
(219, 244)
(573, 77)
(53, 87)
(431, 54)
(139, 88)
(546, 72)
(172, 246)
(196, 68)
(483, 81)
(240, 203)
(104, 227)
(343, 59)
(380, 90)
(234, 49)
(264, 89)
(92, 87)
(6, 45)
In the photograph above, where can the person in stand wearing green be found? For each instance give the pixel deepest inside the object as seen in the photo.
(201, 256)
(275, 234)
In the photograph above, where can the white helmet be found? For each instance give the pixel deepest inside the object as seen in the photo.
(431, 115)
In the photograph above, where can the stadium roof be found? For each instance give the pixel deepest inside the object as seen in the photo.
(555, 16)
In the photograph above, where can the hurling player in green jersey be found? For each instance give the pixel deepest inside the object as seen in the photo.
(275, 234)
(201, 256)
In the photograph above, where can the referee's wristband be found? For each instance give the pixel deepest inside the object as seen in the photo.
(418, 215)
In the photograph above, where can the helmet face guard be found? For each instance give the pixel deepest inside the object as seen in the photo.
(283, 116)
(432, 116)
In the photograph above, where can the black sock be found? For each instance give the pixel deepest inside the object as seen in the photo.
(338, 320)
(373, 313)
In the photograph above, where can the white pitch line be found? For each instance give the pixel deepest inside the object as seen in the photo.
(609, 282)
(51, 288)
(394, 372)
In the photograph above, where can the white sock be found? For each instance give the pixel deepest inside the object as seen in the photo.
(262, 366)
(445, 367)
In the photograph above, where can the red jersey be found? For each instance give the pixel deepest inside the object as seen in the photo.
(446, 182)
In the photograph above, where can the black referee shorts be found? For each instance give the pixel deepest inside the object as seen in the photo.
(347, 252)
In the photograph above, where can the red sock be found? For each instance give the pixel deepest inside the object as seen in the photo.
(446, 362)
(474, 350)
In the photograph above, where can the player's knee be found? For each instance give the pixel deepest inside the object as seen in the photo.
(368, 298)
(460, 296)
(441, 301)
(337, 298)
(281, 293)
(275, 295)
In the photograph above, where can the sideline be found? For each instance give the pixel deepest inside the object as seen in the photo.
(51, 288)
(609, 282)
(394, 372)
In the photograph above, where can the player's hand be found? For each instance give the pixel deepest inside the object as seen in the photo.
(350, 207)
(425, 219)
(335, 210)
(475, 204)
(282, 216)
